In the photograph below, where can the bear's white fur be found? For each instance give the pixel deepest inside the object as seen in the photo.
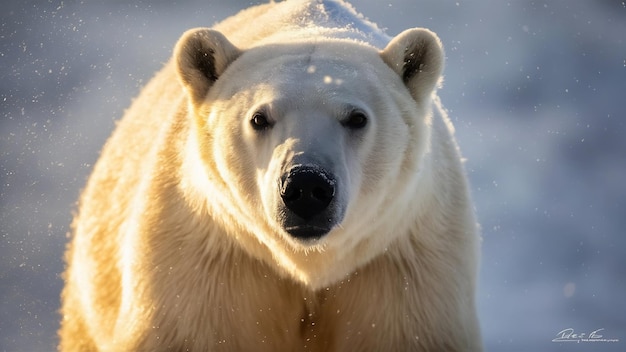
(185, 240)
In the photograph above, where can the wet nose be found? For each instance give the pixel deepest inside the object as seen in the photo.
(307, 190)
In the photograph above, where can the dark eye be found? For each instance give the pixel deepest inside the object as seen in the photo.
(259, 121)
(355, 120)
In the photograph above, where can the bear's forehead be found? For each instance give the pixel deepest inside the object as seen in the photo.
(312, 61)
(330, 74)
(312, 83)
(304, 70)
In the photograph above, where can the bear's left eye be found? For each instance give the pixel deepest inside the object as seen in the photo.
(355, 120)
(259, 121)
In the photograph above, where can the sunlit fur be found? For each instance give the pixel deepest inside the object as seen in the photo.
(177, 243)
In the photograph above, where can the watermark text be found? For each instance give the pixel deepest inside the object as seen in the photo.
(570, 335)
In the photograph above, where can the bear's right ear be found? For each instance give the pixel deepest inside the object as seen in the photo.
(202, 55)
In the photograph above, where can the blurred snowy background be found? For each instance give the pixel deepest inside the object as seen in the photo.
(537, 90)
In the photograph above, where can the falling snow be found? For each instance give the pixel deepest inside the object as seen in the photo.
(536, 92)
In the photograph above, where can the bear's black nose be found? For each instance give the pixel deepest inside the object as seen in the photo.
(307, 190)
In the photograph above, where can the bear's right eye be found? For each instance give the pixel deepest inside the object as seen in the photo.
(259, 121)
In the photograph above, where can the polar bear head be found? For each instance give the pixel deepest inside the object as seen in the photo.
(311, 149)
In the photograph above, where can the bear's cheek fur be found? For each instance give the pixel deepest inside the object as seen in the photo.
(267, 179)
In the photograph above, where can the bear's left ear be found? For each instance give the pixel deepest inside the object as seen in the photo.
(417, 56)
(201, 56)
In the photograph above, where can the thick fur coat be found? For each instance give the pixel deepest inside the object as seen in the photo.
(287, 182)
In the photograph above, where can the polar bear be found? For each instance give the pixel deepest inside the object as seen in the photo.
(289, 181)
